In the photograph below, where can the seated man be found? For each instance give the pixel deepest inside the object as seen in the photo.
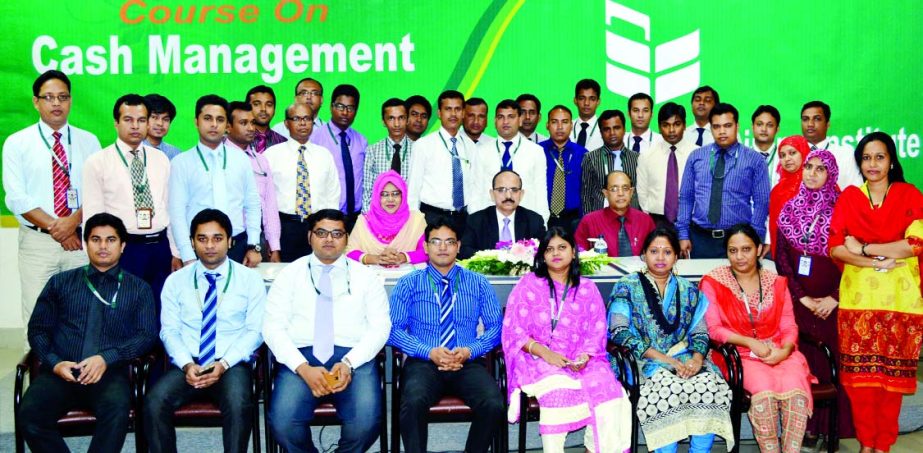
(505, 221)
(326, 319)
(445, 353)
(87, 324)
(210, 326)
(623, 227)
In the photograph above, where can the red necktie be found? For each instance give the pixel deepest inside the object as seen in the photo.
(61, 178)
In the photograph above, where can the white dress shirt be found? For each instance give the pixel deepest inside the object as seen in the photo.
(430, 178)
(648, 139)
(280, 128)
(594, 138)
(528, 160)
(361, 319)
(536, 137)
(692, 134)
(845, 161)
(652, 173)
(512, 226)
(323, 179)
(482, 140)
(27, 166)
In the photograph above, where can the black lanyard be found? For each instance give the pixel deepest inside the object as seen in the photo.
(553, 298)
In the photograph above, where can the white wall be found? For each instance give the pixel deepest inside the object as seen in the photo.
(10, 297)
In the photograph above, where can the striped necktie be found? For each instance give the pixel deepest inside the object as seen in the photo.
(458, 187)
(209, 321)
(139, 183)
(446, 316)
(303, 187)
(61, 177)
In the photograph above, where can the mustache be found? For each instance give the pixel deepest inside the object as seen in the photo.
(509, 200)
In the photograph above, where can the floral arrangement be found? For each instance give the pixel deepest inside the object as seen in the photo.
(516, 258)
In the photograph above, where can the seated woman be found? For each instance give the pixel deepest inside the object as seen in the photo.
(751, 308)
(659, 317)
(554, 341)
(389, 234)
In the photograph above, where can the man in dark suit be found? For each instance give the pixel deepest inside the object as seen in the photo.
(505, 221)
(612, 156)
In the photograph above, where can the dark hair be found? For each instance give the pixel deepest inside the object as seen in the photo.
(508, 104)
(560, 107)
(261, 89)
(50, 74)
(210, 99)
(822, 105)
(475, 101)
(721, 109)
(493, 182)
(392, 102)
(419, 100)
(896, 173)
(639, 97)
(609, 114)
(587, 84)
(326, 214)
(438, 222)
(310, 79)
(669, 110)
(449, 94)
(158, 104)
(530, 97)
(772, 111)
(238, 105)
(128, 99)
(747, 230)
(662, 232)
(703, 89)
(348, 90)
(210, 215)
(105, 219)
(540, 267)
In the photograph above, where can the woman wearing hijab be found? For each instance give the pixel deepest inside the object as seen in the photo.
(389, 234)
(792, 153)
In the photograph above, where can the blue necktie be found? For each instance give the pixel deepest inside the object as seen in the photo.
(458, 188)
(209, 321)
(637, 145)
(624, 242)
(350, 186)
(698, 141)
(507, 159)
(446, 317)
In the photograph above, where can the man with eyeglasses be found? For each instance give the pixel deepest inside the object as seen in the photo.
(620, 225)
(305, 179)
(307, 91)
(347, 146)
(42, 169)
(506, 221)
(435, 314)
(326, 319)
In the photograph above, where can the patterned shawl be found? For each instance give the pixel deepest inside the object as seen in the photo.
(800, 212)
(788, 184)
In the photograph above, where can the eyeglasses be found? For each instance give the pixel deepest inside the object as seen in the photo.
(300, 119)
(617, 189)
(49, 98)
(394, 194)
(344, 108)
(322, 233)
(436, 242)
(309, 94)
(506, 190)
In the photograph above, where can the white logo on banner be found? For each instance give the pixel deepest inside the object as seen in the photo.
(633, 73)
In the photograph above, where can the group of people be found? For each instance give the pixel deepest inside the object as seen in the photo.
(844, 230)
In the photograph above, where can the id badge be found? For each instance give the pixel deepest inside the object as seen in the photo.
(72, 201)
(145, 218)
(804, 266)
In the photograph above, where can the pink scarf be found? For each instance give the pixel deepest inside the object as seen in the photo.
(382, 224)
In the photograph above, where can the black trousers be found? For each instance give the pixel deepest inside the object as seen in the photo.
(423, 385)
(704, 244)
(49, 398)
(661, 221)
(238, 247)
(294, 238)
(149, 258)
(458, 218)
(568, 219)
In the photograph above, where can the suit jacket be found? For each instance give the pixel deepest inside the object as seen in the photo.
(596, 166)
(482, 231)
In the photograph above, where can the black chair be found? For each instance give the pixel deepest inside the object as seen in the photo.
(325, 414)
(79, 421)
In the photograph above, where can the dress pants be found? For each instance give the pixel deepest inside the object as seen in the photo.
(458, 218)
(49, 398)
(293, 240)
(238, 247)
(423, 384)
(150, 259)
(704, 245)
(569, 219)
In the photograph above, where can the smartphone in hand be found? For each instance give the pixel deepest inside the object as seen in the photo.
(205, 370)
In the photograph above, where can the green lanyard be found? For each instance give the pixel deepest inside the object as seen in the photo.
(772, 154)
(227, 283)
(335, 141)
(86, 279)
(124, 161)
(512, 151)
(66, 169)
(224, 166)
(575, 133)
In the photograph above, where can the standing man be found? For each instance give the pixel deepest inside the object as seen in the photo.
(441, 172)
(476, 120)
(641, 109)
(130, 181)
(445, 353)
(42, 169)
(307, 91)
(704, 99)
(623, 227)
(419, 111)
(263, 100)
(88, 324)
(612, 156)
(390, 153)
(241, 134)
(347, 146)
(531, 109)
(325, 321)
(209, 335)
(305, 180)
(563, 172)
(660, 169)
(161, 112)
(815, 121)
(208, 176)
(725, 183)
(766, 120)
(505, 221)
(586, 98)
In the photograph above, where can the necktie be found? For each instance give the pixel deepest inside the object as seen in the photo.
(637, 145)
(259, 142)
(717, 186)
(671, 195)
(94, 322)
(558, 185)
(624, 242)
(323, 317)
(446, 317)
(303, 187)
(507, 159)
(581, 138)
(458, 188)
(615, 158)
(506, 235)
(813, 147)
(139, 185)
(60, 176)
(209, 320)
(396, 158)
(698, 141)
(350, 183)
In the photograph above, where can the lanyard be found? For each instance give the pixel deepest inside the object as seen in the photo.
(806, 236)
(224, 165)
(868, 192)
(432, 283)
(759, 306)
(772, 154)
(227, 283)
(55, 156)
(262, 171)
(512, 151)
(557, 162)
(124, 161)
(713, 162)
(314, 285)
(575, 133)
(456, 150)
(337, 142)
(403, 144)
(552, 299)
(86, 279)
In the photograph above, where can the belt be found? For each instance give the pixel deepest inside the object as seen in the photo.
(283, 217)
(47, 231)
(430, 207)
(715, 234)
(152, 238)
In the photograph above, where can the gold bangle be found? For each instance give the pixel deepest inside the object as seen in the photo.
(531, 344)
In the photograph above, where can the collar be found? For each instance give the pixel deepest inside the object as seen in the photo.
(64, 130)
(642, 135)
(731, 151)
(112, 273)
(336, 129)
(294, 144)
(222, 269)
(444, 132)
(145, 142)
(591, 121)
(230, 144)
(127, 149)
(614, 151)
(475, 141)
(695, 126)
(451, 275)
(403, 142)
(614, 216)
(208, 150)
(340, 262)
(500, 216)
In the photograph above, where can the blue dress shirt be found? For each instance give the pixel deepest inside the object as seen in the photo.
(168, 149)
(328, 136)
(573, 157)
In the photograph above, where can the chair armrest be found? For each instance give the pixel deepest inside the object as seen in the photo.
(813, 341)
(22, 368)
(628, 374)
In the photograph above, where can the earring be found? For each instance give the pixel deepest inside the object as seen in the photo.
(892, 166)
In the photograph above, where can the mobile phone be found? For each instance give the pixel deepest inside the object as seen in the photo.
(75, 372)
(332, 379)
(206, 370)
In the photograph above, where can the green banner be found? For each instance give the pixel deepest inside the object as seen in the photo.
(859, 57)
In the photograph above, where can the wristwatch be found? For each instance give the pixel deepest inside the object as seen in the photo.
(255, 247)
(348, 364)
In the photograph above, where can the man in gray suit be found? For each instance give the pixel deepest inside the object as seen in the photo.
(612, 156)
